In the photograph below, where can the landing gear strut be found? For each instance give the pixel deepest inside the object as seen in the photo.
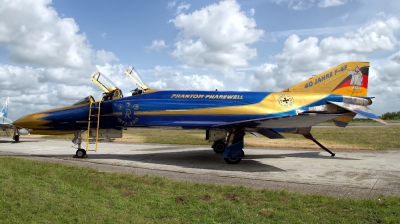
(309, 136)
(16, 135)
(80, 153)
(234, 150)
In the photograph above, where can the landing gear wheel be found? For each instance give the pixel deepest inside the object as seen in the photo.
(16, 138)
(80, 153)
(219, 147)
(233, 160)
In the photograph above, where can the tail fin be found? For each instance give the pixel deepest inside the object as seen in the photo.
(350, 78)
(3, 112)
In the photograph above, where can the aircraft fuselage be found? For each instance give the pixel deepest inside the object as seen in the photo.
(187, 109)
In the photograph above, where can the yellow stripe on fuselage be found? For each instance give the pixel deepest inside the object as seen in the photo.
(273, 103)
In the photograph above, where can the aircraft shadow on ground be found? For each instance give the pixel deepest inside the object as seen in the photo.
(196, 159)
(199, 159)
(205, 160)
(310, 155)
(13, 142)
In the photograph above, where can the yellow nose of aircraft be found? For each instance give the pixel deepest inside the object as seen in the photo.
(32, 121)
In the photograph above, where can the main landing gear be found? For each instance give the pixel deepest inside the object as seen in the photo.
(16, 135)
(234, 153)
(219, 146)
(77, 140)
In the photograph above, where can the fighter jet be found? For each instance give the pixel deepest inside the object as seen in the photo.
(6, 124)
(338, 94)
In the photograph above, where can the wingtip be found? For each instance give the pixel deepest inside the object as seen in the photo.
(381, 121)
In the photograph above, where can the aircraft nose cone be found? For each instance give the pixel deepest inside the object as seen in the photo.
(31, 121)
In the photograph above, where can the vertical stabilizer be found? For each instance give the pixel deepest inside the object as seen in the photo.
(350, 78)
(3, 112)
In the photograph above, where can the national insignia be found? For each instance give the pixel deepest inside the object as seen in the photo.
(285, 101)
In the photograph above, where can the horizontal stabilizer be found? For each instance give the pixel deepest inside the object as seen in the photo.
(360, 110)
(344, 120)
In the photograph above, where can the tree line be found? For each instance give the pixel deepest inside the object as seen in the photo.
(391, 116)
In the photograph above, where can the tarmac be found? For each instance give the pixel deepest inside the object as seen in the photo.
(350, 174)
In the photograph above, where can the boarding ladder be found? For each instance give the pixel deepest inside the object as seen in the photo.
(98, 123)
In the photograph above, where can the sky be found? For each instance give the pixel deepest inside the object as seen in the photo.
(49, 49)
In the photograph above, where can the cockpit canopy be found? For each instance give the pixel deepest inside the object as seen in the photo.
(85, 100)
(111, 91)
(105, 83)
(134, 75)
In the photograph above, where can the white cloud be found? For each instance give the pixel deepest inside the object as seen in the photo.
(384, 84)
(182, 7)
(264, 78)
(301, 58)
(186, 82)
(104, 34)
(376, 35)
(160, 71)
(14, 78)
(306, 4)
(216, 37)
(252, 12)
(157, 45)
(102, 57)
(171, 4)
(331, 3)
(40, 37)
(60, 58)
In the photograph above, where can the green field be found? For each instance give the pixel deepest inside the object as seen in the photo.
(376, 138)
(38, 192)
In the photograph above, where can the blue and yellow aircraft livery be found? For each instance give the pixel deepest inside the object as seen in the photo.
(337, 94)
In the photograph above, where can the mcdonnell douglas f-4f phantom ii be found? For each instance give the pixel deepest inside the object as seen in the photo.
(337, 94)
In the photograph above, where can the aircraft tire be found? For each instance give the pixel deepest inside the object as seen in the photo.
(16, 138)
(233, 160)
(80, 153)
(219, 147)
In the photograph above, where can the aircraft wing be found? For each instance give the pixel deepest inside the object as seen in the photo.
(301, 120)
(6, 123)
(266, 126)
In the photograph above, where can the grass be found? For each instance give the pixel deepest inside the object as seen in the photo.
(38, 192)
(376, 138)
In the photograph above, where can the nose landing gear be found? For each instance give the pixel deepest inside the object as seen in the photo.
(77, 140)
